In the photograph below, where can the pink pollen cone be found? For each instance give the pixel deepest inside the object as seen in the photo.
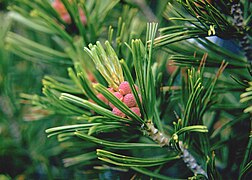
(66, 17)
(83, 17)
(102, 98)
(124, 88)
(136, 88)
(59, 7)
(136, 110)
(111, 90)
(119, 96)
(129, 100)
(117, 112)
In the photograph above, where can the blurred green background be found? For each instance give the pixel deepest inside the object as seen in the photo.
(25, 152)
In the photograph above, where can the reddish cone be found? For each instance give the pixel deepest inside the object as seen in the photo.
(136, 110)
(129, 100)
(124, 88)
(102, 98)
(117, 112)
(119, 96)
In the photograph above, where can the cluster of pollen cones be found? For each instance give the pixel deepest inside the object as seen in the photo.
(125, 95)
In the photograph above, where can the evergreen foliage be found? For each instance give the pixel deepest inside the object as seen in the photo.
(193, 121)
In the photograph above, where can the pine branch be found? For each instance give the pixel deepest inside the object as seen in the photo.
(107, 63)
(27, 48)
(207, 21)
(152, 132)
(123, 109)
(127, 161)
(238, 21)
(79, 159)
(188, 158)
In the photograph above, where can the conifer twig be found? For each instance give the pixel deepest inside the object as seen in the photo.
(238, 21)
(191, 161)
(187, 157)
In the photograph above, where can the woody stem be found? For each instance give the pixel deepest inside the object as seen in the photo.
(238, 21)
(187, 157)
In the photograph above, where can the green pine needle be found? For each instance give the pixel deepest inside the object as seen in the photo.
(114, 145)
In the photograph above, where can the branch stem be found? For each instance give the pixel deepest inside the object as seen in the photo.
(238, 21)
(187, 157)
